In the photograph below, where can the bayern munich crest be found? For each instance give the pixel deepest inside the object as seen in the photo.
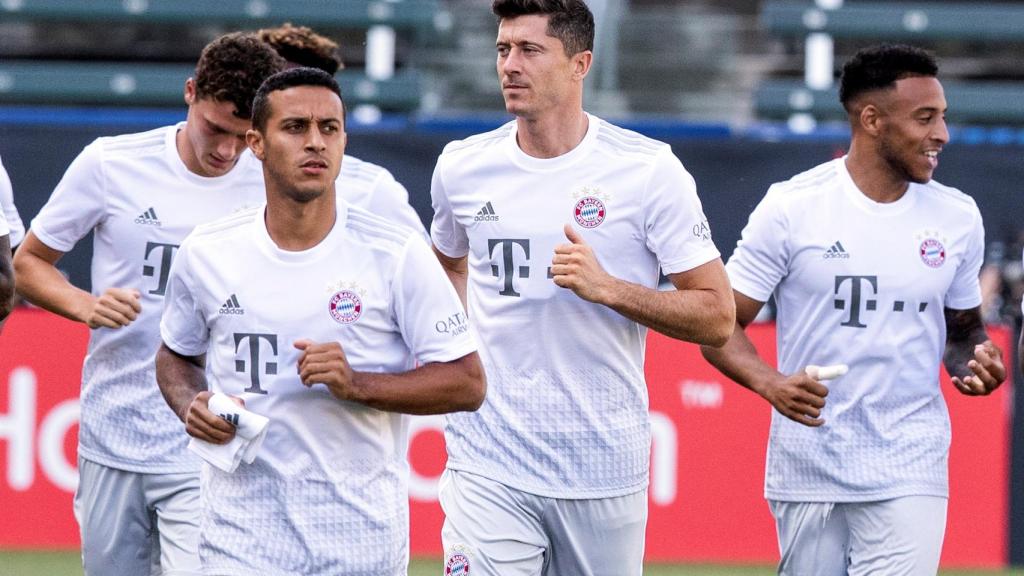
(933, 253)
(590, 210)
(457, 563)
(346, 306)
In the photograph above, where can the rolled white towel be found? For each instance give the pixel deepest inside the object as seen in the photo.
(250, 430)
(826, 372)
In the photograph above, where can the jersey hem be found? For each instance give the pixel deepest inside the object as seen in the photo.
(858, 497)
(687, 264)
(50, 240)
(147, 467)
(574, 493)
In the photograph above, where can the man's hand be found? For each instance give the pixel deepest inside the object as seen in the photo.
(575, 267)
(987, 369)
(326, 364)
(799, 398)
(115, 308)
(205, 425)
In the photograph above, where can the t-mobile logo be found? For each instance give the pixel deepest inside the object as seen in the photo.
(857, 296)
(508, 269)
(254, 368)
(164, 253)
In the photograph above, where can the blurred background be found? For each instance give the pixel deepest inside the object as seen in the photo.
(743, 90)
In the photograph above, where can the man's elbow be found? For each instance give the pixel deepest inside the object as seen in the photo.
(721, 326)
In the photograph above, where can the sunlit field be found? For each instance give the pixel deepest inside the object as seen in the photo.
(67, 564)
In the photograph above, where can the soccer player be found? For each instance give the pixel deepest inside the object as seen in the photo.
(554, 227)
(873, 265)
(141, 194)
(327, 320)
(360, 183)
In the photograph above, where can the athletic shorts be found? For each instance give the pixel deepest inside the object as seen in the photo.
(898, 537)
(138, 524)
(491, 529)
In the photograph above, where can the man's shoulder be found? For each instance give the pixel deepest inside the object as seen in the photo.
(378, 231)
(950, 196)
(626, 141)
(215, 233)
(478, 142)
(135, 144)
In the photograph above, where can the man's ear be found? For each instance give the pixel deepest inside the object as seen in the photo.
(870, 119)
(190, 91)
(254, 140)
(581, 64)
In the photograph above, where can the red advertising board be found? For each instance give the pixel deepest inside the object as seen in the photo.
(707, 463)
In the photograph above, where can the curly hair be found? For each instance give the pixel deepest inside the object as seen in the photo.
(571, 21)
(232, 67)
(879, 67)
(301, 46)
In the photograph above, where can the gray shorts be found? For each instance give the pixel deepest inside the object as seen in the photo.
(898, 537)
(493, 530)
(138, 524)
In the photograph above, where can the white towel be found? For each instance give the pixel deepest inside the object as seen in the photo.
(250, 430)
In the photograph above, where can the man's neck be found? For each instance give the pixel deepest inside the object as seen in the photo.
(874, 177)
(296, 226)
(552, 136)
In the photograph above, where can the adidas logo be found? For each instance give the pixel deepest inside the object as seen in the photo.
(231, 306)
(231, 418)
(148, 218)
(836, 251)
(486, 214)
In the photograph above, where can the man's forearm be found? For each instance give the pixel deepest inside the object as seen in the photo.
(180, 378)
(6, 277)
(701, 316)
(435, 388)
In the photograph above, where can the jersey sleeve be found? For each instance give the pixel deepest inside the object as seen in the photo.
(391, 199)
(10, 221)
(761, 258)
(78, 203)
(445, 231)
(965, 291)
(427, 310)
(675, 226)
(183, 325)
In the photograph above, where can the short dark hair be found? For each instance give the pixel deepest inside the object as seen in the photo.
(232, 67)
(569, 20)
(879, 67)
(290, 79)
(301, 46)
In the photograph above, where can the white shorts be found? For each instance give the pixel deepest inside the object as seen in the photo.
(493, 530)
(134, 523)
(898, 537)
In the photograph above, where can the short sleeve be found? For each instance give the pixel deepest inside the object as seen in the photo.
(965, 291)
(77, 205)
(761, 258)
(10, 221)
(675, 226)
(183, 326)
(391, 200)
(427, 309)
(445, 232)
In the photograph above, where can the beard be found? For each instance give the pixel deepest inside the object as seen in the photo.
(899, 165)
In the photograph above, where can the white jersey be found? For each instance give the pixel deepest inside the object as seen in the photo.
(863, 284)
(10, 221)
(328, 492)
(566, 413)
(374, 189)
(138, 197)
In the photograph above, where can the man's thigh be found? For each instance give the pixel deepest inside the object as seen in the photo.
(174, 499)
(597, 537)
(813, 538)
(898, 537)
(114, 520)
(490, 529)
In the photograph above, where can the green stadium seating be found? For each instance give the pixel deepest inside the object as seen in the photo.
(906, 21)
(969, 102)
(420, 15)
(162, 84)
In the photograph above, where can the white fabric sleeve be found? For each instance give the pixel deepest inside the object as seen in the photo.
(78, 203)
(427, 310)
(183, 325)
(965, 291)
(391, 199)
(761, 258)
(10, 221)
(675, 226)
(445, 232)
